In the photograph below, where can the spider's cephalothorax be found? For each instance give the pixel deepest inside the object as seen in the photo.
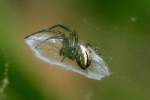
(70, 47)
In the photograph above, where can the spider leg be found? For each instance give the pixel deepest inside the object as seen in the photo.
(51, 30)
(73, 39)
(61, 52)
(76, 39)
(61, 26)
(63, 59)
(97, 50)
(44, 30)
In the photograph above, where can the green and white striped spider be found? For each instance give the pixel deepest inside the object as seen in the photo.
(70, 47)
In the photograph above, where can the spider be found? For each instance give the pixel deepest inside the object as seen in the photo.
(70, 47)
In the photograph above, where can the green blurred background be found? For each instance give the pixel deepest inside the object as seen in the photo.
(120, 28)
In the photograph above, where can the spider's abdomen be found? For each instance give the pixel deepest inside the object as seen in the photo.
(83, 57)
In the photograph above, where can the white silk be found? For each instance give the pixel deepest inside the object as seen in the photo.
(48, 51)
